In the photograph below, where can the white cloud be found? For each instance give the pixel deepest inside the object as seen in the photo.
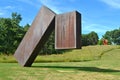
(34, 3)
(98, 28)
(9, 7)
(1, 13)
(60, 6)
(6, 10)
(112, 3)
(52, 5)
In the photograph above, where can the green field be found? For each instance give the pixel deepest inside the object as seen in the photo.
(90, 63)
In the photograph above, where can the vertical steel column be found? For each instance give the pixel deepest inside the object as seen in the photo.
(68, 30)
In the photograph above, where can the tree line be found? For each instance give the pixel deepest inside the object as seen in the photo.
(11, 34)
(113, 36)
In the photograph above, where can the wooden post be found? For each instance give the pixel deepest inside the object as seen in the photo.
(35, 37)
(68, 30)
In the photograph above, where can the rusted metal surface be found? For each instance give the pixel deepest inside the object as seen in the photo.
(35, 37)
(68, 30)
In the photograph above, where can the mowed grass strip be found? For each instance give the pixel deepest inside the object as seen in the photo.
(85, 54)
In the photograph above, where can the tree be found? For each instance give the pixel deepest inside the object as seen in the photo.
(93, 38)
(49, 48)
(89, 39)
(26, 27)
(107, 36)
(6, 31)
(11, 33)
(16, 18)
(113, 36)
(100, 42)
(85, 40)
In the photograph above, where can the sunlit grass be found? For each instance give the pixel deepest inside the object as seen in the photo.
(7, 59)
(85, 54)
(105, 68)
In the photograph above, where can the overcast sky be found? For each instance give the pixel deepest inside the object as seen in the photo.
(97, 15)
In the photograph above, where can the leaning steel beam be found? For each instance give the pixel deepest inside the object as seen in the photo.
(35, 37)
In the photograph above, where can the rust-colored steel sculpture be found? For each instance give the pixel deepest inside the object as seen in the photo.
(36, 36)
(67, 34)
(68, 30)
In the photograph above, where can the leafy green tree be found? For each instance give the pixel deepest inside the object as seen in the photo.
(85, 40)
(116, 36)
(26, 27)
(6, 31)
(11, 33)
(49, 48)
(90, 39)
(113, 36)
(107, 36)
(93, 38)
(100, 42)
(16, 18)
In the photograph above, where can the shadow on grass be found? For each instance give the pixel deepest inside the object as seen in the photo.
(90, 69)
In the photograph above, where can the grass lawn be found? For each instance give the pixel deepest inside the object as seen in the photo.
(105, 68)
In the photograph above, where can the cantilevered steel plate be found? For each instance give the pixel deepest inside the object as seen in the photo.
(35, 37)
(68, 30)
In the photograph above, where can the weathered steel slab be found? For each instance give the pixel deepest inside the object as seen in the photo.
(68, 30)
(35, 37)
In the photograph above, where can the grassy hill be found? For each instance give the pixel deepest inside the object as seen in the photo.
(85, 54)
(98, 63)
